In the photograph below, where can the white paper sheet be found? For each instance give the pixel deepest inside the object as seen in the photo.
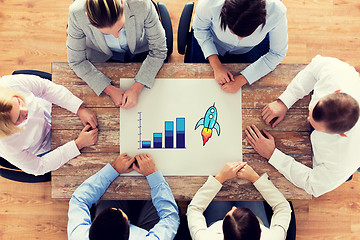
(190, 99)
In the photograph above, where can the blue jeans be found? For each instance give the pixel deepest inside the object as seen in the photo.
(217, 210)
(197, 56)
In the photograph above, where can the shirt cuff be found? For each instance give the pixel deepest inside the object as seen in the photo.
(71, 149)
(276, 158)
(102, 91)
(155, 179)
(77, 103)
(288, 98)
(147, 84)
(109, 172)
(214, 182)
(250, 74)
(264, 178)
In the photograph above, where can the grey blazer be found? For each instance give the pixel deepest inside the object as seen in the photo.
(86, 43)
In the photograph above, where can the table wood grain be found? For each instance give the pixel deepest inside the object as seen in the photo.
(291, 135)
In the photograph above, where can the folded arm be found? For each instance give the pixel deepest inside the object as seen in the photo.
(155, 34)
(199, 203)
(76, 53)
(166, 207)
(278, 38)
(84, 197)
(281, 208)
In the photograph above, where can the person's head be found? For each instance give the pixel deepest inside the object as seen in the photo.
(240, 224)
(242, 17)
(335, 113)
(110, 224)
(106, 15)
(13, 112)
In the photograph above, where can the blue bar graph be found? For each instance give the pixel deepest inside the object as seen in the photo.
(169, 134)
(173, 136)
(157, 140)
(180, 132)
(146, 144)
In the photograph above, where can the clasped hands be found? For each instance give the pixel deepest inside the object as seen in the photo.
(237, 170)
(124, 99)
(229, 83)
(142, 163)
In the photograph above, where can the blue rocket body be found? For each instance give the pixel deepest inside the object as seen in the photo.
(209, 120)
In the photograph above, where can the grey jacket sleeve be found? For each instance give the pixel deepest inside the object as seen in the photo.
(76, 53)
(155, 34)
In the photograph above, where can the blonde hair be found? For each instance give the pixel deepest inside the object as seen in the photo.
(7, 127)
(103, 13)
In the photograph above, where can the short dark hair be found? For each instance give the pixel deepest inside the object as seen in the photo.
(339, 111)
(240, 225)
(243, 16)
(103, 13)
(110, 224)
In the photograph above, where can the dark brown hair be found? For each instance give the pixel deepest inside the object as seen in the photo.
(243, 16)
(240, 225)
(339, 111)
(103, 13)
(110, 224)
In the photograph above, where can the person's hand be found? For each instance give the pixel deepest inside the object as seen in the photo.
(229, 171)
(87, 117)
(234, 86)
(144, 164)
(275, 112)
(123, 163)
(221, 73)
(116, 94)
(131, 95)
(248, 173)
(265, 146)
(87, 137)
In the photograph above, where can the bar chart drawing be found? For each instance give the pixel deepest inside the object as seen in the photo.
(167, 140)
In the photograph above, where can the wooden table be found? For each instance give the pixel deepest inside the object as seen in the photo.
(292, 135)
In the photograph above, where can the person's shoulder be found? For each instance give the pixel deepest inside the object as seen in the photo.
(77, 6)
(275, 7)
(12, 81)
(332, 62)
(136, 4)
(210, 5)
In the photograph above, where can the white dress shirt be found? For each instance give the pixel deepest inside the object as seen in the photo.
(335, 158)
(197, 223)
(21, 149)
(213, 40)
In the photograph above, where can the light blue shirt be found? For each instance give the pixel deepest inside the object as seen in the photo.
(213, 40)
(94, 187)
(118, 45)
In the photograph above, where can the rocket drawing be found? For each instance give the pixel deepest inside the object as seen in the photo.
(209, 122)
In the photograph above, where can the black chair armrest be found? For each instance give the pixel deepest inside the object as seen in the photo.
(184, 26)
(41, 74)
(24, 177)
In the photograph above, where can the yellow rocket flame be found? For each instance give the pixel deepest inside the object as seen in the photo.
(206, 134)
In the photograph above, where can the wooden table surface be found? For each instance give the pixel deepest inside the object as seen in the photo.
(291, 135)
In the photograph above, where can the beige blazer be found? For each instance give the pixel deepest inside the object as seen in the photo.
(86, 44)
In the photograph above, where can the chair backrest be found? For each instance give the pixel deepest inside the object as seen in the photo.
(10, 171)
(184, 34)
(166, 22)
(291, 233)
